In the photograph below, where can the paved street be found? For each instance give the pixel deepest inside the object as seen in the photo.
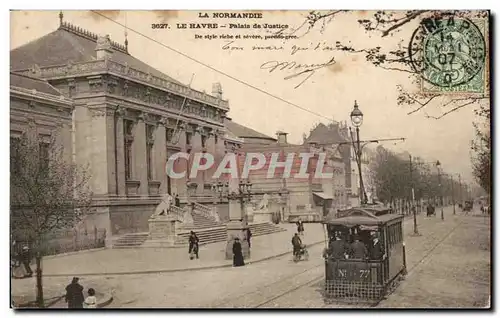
(448, 266)
(435, 262)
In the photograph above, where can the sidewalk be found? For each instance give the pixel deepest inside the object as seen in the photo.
(158, 260)
(454, 274)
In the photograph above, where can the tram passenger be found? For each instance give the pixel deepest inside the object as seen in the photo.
(377, 250)
(338, 248)
(358, 249)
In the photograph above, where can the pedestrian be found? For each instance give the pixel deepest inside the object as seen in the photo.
(25, 259)
(193, 245)
(91, 300)
(74, 294)
(300, 227)
(249, 236)
(237, 253)
(177, 201)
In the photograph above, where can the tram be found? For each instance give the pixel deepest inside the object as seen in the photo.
(371, 277)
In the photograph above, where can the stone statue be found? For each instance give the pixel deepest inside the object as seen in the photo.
(264, 203)
(164, 207)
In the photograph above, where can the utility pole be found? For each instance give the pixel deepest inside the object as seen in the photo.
(412, 205)
(453, 194)
(460, 189)
(440, 189)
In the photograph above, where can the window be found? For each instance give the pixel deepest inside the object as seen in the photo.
(188, 138)
(43, 153)
(149, 150)
(129, 139)
(149, 158)
(203, 141)
(128, 160)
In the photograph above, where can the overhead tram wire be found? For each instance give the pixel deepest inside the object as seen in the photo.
(214, 69)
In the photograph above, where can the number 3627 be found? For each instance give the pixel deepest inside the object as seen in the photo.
(159, 26)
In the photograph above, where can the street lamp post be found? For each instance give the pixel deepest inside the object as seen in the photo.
(240, 223)
(412, 205)
(357, 120)
(460, 200)
(438, 165)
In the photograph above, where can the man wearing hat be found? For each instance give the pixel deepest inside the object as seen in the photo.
(377, 251)
(338, 247)
(25, 258)
(358, 249)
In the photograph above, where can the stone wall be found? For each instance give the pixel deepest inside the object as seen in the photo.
(130, 218)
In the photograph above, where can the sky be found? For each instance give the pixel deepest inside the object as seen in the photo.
(329, 92)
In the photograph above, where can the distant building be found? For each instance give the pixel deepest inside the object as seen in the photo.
(334, 139)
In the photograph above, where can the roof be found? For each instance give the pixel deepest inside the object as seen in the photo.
(323, 134)
(245, 132)
(323, 195)
(362, 216)
(37, 84)
(72, 44)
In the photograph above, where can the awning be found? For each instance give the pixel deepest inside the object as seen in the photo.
(323, 195)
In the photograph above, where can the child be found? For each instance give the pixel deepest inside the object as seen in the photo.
(91, 300)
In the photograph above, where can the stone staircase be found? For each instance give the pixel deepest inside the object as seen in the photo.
(206, 235)
(215, 235)
(201, 222)
(130, 240)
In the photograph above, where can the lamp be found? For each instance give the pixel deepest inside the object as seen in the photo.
(356, 116)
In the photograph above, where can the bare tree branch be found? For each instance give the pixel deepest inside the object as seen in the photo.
(452, 110)
(403, 22)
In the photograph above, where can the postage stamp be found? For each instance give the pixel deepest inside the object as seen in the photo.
(451, 55)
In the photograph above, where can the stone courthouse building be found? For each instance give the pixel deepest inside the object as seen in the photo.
(118, 116)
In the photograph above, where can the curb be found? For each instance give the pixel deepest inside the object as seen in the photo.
(75, 252)
(109, 300)
(178, 269)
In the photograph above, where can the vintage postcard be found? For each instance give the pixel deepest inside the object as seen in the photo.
(250, 159)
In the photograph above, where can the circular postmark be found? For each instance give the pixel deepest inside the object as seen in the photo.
(447, 52)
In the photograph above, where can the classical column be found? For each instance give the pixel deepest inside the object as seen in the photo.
(237, 224)
(197, 148)
(212, 149)
(103, 150)
(180, 137)
(139, 152)
(160, 156)
(120, 153)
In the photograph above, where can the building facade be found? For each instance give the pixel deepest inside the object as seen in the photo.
(127, 119)
(39, 110)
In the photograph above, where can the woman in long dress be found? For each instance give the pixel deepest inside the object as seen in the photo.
(237, 253)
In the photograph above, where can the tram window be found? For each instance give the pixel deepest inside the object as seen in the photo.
(389, 235)
(393, 235)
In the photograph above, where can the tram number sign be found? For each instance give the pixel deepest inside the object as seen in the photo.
(364, 273)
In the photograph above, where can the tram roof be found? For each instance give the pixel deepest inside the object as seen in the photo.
(365, 215)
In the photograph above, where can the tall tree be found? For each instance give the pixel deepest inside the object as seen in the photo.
(481, 149)
(48, 192)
